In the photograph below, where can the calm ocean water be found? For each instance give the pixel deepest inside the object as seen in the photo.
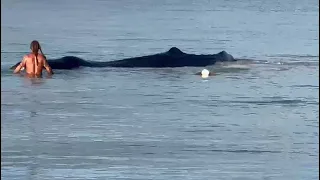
(256, 123)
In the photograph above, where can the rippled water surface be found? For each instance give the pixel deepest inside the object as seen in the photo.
(258, 122)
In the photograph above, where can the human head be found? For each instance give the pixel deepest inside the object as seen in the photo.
(205, 73)
(35, 46)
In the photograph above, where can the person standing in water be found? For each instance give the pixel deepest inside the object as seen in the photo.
(34, 62)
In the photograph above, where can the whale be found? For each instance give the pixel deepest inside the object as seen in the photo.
(172, 58)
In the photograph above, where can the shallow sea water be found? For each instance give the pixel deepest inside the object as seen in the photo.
(259, 122)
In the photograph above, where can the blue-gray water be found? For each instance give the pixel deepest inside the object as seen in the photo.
(257, 123)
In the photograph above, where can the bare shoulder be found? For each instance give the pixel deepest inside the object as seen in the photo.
(26, 57)
(42, 57)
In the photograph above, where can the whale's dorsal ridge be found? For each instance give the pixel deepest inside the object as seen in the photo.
(226, 56)
(175, 50)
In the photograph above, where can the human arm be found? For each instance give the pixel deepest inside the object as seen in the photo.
(47, 66)
(21, 65)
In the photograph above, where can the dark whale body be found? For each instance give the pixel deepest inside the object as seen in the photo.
(172, 58)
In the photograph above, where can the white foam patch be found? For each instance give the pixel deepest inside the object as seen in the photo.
(238, 66)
